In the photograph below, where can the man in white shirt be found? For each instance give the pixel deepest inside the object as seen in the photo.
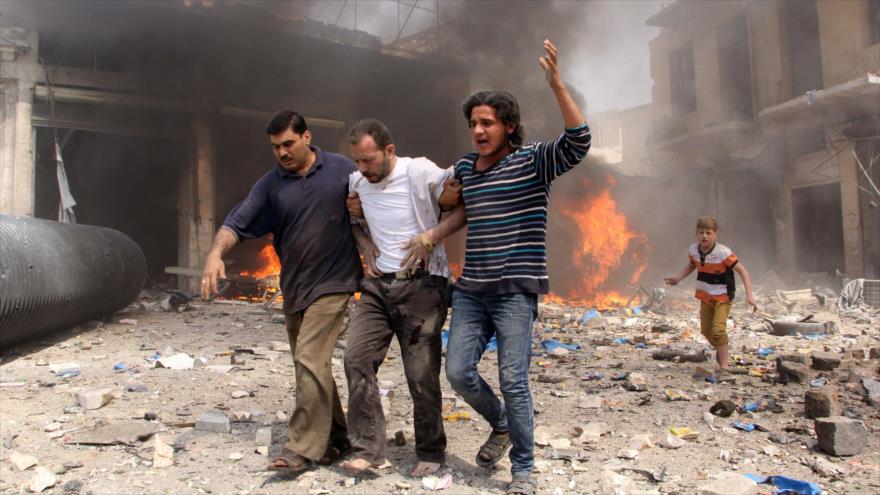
(404, 295)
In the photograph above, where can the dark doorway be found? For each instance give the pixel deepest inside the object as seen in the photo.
(818, 228)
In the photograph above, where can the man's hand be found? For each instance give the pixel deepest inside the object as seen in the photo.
(750, 299)
(214, 269)
(451, 194)
(418, 250)
(548, 63)
(353, 203)
(671, 281)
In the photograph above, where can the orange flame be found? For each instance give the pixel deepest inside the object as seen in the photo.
(605, 241)
(268, 263)
(455, 268)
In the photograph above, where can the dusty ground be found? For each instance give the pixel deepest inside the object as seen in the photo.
(33, 399)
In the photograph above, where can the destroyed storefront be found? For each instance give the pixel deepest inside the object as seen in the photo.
(159, 111)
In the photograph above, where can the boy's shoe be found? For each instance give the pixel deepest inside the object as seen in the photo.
(724, 376)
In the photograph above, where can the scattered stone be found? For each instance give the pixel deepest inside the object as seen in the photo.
(235, 456)
(874, 353)
(22, 462)
(680, 355)
(723, 408)
(795, 358)
(822, 403)
(241, 416)
(73, 410)
(550, 378)
(72, 486)
(94, 399)
(857, 353)
(560, 443)
(71, 465)
(825, 468)
(240, 394)
(825, 361)
(262, 450)
(214, 421)
(399, 438)
(871, 391)
(590, 402)
(771, 450)
(790, 372)
(137, 388)
(542, 436)
(628, 454)
(729, 483)
(42, 479)
(163, 454)
(672, 442)
(402, 485)
(53, 426)
(9, 439)
(841, 436)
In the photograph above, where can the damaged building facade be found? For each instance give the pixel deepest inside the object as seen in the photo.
(769, 111)
(159, 110)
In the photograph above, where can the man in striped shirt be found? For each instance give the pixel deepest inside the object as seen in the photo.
(505, 187)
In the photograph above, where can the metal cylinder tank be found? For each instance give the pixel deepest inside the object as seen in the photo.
(55, 275)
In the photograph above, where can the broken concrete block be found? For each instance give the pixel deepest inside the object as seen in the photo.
(42, 479)
(822, 403)
(825, 361)
(796, 358)
(22, 462)
(263, 436)
(871, 391)
(94, 399)
(729, 483)
(874, 353)
(180, 361)
(857, 353)
(163, 454)
(841, 436)
(126, 433)
(214, 421)
(672, 442)
(790, 372)
(680, 355)
(782, 328)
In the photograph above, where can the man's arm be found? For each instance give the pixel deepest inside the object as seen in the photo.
(368, 251)
(681, 275)
(571, 114)
(214, 267)
(747, 281)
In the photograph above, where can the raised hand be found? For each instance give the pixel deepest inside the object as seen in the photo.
(548, 63)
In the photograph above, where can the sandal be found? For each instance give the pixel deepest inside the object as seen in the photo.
(522, 484)
(494, 449)
(334, 453)
(289, 461)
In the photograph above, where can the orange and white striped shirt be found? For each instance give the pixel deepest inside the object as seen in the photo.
(715, 278)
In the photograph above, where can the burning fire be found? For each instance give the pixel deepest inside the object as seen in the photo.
(605, 242)
(268, 264)
(455, 268)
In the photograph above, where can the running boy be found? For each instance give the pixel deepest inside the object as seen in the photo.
(715, 264)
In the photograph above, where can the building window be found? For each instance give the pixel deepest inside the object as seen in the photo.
(874, 19)
(736, 69)
(804, 56)
(681, 75)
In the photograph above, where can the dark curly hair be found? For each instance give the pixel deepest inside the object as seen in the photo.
(506, 108)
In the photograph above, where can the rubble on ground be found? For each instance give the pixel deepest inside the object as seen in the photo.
(182, 396)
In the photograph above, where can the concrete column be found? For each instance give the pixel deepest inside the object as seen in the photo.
(196, 201)
(18, 50)
(851, 211)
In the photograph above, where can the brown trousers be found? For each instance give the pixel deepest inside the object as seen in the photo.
(317, 420)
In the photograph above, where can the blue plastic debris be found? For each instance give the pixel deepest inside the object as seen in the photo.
(155, 357)
(637, 310)
(621, 340)
(641, 345)
(120, 367)
(739, 425)
(589, 315)
(550, 345)
(750, 407)
(620, 376)
(765, 351)
(786, 485)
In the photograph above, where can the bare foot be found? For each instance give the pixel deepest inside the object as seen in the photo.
(356, 465)
(424, 469)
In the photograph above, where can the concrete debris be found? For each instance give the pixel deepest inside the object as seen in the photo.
(94, 399)
(822, 403)
(22, 462)
(728, 483)
(681, 355)
(214, 421)
(825, 361)
(181, 361)
(841, 436)
(790, 372)
(42, 479)
(163, 454)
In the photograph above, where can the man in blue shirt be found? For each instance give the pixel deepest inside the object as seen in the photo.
(301, 202)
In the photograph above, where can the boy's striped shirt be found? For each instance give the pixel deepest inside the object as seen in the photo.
(506, 208)
(715, 280)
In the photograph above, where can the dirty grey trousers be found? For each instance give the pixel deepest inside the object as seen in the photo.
(317, 420)
(414, 311)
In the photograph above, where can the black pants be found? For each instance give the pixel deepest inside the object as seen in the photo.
(414, 311)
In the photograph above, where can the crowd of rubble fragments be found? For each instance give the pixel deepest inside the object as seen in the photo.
(178, 396)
